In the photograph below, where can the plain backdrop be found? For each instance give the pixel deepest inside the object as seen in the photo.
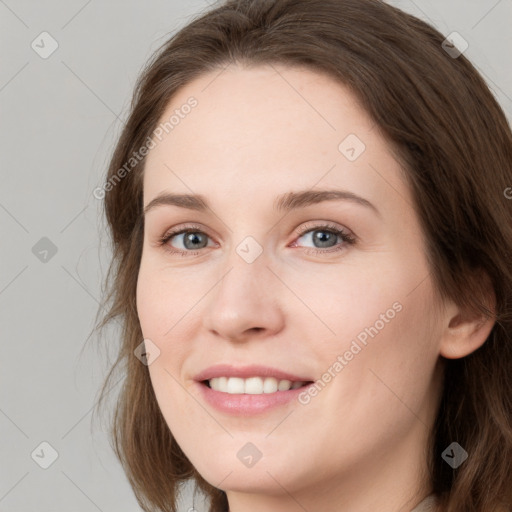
(60, 116)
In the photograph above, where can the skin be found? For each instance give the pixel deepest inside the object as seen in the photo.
(359, 445)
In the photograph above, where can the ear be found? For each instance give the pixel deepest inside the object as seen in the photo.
(467, 331)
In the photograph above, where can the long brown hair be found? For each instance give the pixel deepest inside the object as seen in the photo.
(455, 145)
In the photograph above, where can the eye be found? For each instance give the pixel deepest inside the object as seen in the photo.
(324, 237)
(192, 238)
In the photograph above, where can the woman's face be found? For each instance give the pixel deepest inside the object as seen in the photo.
(262, 279)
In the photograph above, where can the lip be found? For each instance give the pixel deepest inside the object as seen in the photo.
(248, 404)
(244, 372)
(245, 404)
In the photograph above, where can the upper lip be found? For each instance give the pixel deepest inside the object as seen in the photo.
(244, 372)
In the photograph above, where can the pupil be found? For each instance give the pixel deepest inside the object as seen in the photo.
(323, 237)
(192, 238)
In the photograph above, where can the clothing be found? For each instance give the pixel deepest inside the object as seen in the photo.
(427, 505)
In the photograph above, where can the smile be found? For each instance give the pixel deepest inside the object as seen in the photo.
(249, 390)
(252, 385)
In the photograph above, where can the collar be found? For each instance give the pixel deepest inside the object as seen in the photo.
(427, 505)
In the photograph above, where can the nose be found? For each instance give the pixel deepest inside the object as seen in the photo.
(245, 303)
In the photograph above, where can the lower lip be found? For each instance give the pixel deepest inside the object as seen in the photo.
(245, 404)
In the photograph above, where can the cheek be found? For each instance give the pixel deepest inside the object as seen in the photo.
(387, 359)
(386, 334)
(358, 304)
(162, 312)
(162, 301)
(163, 320)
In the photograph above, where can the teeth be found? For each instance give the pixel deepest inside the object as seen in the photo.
(252, 385)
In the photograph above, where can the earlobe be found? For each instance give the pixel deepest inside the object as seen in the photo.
(466, 332)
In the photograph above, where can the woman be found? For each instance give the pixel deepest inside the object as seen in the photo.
(312, 238)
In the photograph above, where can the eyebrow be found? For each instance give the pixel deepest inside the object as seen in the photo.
(283, 203)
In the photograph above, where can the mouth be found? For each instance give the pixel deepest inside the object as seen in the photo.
(249, 390)
(257, 385)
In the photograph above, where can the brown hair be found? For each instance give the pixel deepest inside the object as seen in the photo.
(455, 145)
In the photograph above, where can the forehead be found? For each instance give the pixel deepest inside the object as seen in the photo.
(262, 126)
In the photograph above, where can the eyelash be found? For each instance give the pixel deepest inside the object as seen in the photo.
(345, 237)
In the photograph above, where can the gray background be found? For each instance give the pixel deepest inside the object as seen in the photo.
(59, 119)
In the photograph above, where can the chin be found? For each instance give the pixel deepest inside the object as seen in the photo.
(250, 481)
(264, 477)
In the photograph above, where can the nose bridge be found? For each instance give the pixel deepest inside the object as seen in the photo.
(246, 277)
(246, 262)
(244, 298)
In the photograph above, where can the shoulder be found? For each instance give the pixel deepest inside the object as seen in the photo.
(431, 504)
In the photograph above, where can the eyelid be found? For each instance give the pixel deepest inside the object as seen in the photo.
(321, 224)
(185, 227)
(348, 238)
(302, 230)
(181, 229)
